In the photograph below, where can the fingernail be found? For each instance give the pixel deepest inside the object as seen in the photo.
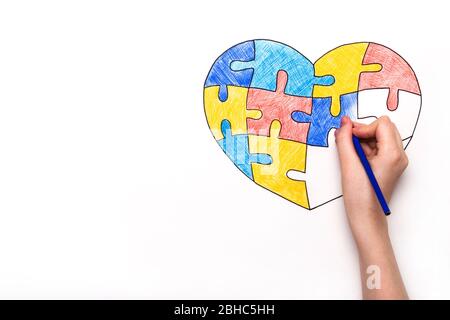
(344, 120)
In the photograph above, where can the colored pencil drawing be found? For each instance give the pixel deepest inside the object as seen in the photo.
(273, 112)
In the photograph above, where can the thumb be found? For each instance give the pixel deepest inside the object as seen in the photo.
(344, 143)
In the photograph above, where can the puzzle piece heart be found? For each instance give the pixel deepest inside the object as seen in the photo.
(273, 112)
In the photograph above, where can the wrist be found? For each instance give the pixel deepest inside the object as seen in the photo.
(368, 227)
(371, 236)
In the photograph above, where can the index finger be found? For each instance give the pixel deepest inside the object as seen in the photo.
(382, 129)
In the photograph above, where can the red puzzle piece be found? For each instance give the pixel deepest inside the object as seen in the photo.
(278, 106)
(395, 75)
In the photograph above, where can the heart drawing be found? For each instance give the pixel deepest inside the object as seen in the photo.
(273, 112)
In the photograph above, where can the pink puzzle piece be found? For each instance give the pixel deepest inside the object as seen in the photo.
(395, 75)
(278, 106)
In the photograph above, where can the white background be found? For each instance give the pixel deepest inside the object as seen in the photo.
(111, 185)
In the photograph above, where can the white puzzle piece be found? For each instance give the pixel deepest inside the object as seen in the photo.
(322, 164)
(372, 104)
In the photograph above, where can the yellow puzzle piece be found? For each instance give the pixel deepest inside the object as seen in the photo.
(345, 64)
(234, 109)
(286, 155)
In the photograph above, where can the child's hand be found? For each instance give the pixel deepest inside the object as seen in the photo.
(384, 150)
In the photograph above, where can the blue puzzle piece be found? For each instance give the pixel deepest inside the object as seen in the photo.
(321, 119)
(270, 57)
(221, 73)
(237, 149)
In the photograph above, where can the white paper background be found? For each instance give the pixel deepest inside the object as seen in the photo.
(111, 185)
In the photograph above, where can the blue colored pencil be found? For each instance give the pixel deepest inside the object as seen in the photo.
(373, 180)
